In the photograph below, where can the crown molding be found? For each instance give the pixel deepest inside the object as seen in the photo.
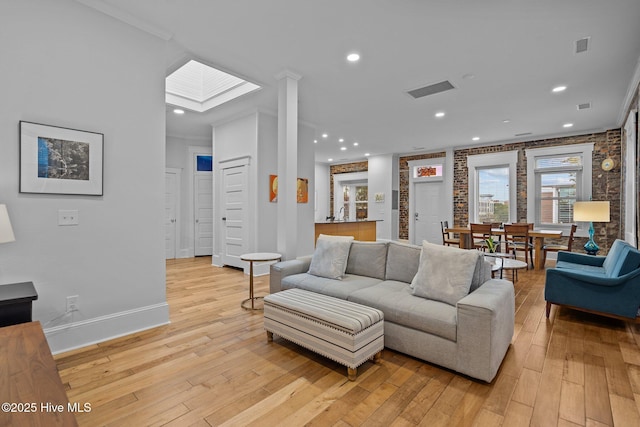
(127, 18)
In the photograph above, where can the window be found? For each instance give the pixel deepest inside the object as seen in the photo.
(204, 163)
(492, 187)
(493, 194)
(556, 178)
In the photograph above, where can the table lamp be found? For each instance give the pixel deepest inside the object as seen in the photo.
(6, 232)
(591, 211)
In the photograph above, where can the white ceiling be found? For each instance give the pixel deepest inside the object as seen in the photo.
(516, 51)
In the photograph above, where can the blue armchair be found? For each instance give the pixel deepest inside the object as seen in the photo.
(606, 285)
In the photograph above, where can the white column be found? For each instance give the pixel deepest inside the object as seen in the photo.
(287, 163)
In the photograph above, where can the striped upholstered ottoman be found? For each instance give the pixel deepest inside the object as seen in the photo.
(343, 331)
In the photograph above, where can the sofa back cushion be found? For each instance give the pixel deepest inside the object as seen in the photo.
(403, 261)
(621, 259)
(613, 257)
(367, 259)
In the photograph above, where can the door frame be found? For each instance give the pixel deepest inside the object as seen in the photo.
(447, 178)
(218, 234)
(192, 152)
(630, 190)
(178, 174)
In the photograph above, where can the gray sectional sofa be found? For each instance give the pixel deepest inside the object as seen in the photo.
(471, 337)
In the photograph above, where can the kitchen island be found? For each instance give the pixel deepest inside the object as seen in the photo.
(364, 230)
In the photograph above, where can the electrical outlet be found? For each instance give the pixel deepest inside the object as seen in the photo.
(72, 303)
(68, 217)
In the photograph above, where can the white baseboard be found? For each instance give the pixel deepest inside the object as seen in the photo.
(91, 331)
(216, 260)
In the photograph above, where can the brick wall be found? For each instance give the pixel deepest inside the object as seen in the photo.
(606, 185)
(344, 168)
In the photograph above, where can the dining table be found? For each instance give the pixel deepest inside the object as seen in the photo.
(538, 237)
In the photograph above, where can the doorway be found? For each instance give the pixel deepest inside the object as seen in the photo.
(429, 211)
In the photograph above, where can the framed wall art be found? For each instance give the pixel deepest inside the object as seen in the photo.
(57, 160)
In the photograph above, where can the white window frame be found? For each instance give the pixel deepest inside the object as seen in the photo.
(493, 160)
(583, 188)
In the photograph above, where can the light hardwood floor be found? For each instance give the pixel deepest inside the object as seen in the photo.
(213, 366)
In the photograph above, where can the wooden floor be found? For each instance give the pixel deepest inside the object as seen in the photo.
(213, 366)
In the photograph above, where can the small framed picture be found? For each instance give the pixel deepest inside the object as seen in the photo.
(56, 160)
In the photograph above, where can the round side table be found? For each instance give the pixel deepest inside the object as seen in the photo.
(251, 258)
(514, 265)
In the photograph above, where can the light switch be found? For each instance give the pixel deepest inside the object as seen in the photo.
(66, 217)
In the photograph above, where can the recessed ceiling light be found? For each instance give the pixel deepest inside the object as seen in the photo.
(343, 148)
(353, 57)
(330, 160)
(367, 154)
(178, 111)
(341, 140)
(439, 114)
(355, 144)
(567, 125)
(506, 121)
(559, 89)
(324, 135)
(315, 141)
(475, 138)
(468, 76)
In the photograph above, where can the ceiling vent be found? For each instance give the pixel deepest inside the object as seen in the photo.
(523, 134)
(431, 89)
(584, 106)
(582, 45)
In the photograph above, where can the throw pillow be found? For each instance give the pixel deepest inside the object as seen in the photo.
(445, 273)
(330, 257)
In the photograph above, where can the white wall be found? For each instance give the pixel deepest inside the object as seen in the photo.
(177, 156)
(266, 218)
(323, 190)
(381, 181)
(67, 65)
(306, 161)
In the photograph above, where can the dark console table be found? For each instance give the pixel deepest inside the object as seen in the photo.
(15, 303)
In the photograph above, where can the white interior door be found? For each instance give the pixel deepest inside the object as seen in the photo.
(170, 208)
(203, 209)
(430, 209)
(235, 215)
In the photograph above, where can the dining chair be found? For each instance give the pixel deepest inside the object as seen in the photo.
(554, 247)
(517, 239)
(446, 237)
(479, 234)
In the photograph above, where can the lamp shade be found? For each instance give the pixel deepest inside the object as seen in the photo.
(6, 232)
(591, 211)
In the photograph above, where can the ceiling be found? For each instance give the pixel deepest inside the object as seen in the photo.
(502, 56)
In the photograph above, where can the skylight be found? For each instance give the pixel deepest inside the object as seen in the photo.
(199, 87)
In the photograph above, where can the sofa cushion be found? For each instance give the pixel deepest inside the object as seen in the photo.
(445, 273)
(399, 306)
(367, 259)
(330, 257)
(591, 269)
(402, 261)
(630, 263)
(334, 288)
(616, 252)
